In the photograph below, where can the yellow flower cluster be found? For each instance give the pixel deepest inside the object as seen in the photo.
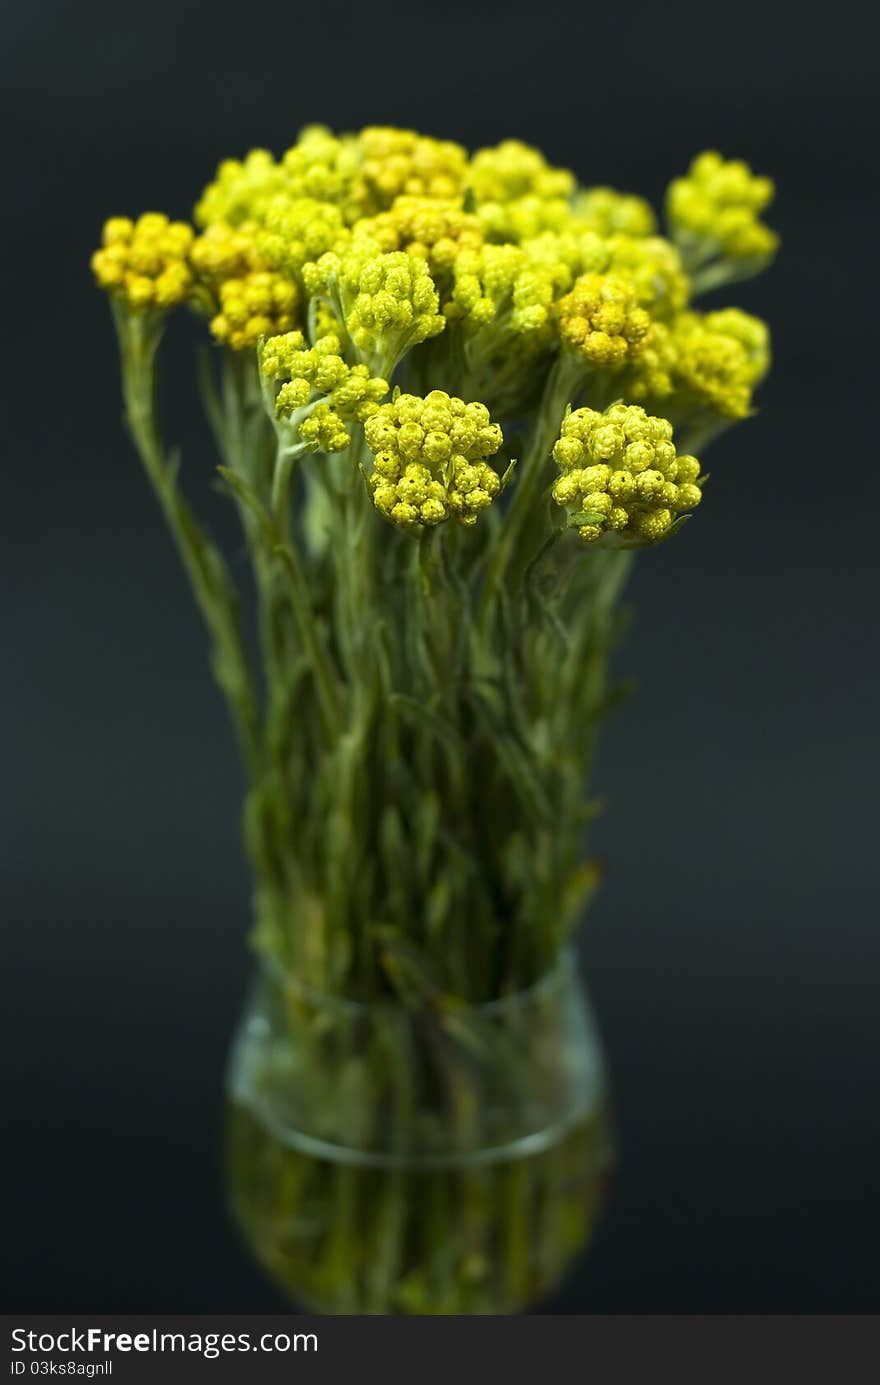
(654, 269)
(702, 361)
(360, 174)
(649, 263)
(714, 361)
(320, 392)
(241, 190)
(751, 332)
(145, 262)
(601, 322)
(620, 475)
(613, 213)
(517, 193)
(512, 170)
(250, 307)
(433, 229)
(501, 285)
(564, 255)
(299, 230)
(395, 162)
(388, 303)
(384, 239)
(326, 168)
(652, 375)
(718, 362)
(246, 298)
(716, 209)
(430, 460)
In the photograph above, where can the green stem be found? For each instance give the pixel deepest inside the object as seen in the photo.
(354, 565)
(561, 383)
(241, 433)
(313, 646)
(282, 479)
(718, 274)
(139, 337)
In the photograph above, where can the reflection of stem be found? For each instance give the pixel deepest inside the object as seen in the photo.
(384, 1273)
(517, 1231)
(396, 1033)
(340, 1265)
(447, 1240)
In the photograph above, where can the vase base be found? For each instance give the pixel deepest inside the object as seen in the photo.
(470, 1238)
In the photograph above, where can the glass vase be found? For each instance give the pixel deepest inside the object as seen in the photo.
(445, 1159)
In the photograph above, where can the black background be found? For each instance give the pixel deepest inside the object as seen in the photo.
(734, 953)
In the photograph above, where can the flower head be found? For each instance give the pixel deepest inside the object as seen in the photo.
(325, 167)
(145, 263)
(601, 321)
(701, 364)
(244, 296)
(611, 213)
(715, 210)
(719, 359)
(653, 266)
(502, 286)
(241, 190)
(259, 303)
(320, 393)
(297, 230)
(651, 375)
(751, 332)
(650, 264)
(517, 193)
(432, 229)
(621, 477)
(387, 303)
(395, 162)
(510, 170)
(430, 460)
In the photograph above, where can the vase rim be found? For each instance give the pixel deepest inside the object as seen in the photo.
(563, 967)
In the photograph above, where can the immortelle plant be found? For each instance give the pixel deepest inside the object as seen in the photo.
(452, 395)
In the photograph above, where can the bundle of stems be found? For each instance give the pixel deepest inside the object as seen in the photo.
(419, 714)
(418, 721)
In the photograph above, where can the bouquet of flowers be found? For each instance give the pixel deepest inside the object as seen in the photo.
(452, 395)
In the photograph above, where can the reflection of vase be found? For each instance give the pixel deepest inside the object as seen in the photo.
(449, 1159)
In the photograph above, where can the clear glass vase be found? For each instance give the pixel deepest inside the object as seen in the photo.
(446, 1159)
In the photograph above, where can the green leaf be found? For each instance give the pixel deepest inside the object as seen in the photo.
(396, 858)
(412, 974)
(516, 764)
(250, 501)
(423, 717)
(611, 698)
(508, 473)
(437, 906)
(579, 888)
(427, 820)
(210, 398)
